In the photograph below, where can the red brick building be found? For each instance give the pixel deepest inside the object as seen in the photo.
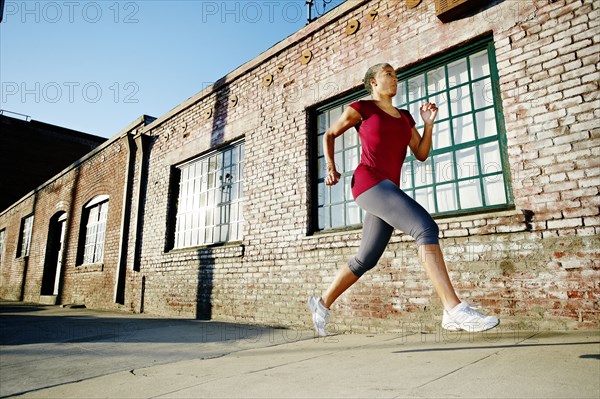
(66, 236)
(218, 208)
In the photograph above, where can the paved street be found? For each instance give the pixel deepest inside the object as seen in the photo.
(48, 351)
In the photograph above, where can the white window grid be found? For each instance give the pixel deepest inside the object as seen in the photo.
(95, 233)
(210, 203)
(2, 234)
(26, 235)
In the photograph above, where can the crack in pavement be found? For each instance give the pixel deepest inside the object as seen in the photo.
(472, 363)
(278, 365)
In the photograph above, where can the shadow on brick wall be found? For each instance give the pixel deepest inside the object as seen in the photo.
(206, 257)
(205, 284)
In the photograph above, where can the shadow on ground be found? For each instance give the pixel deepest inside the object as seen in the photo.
(23, 324)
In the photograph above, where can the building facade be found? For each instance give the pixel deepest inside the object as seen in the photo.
(218, 208)
(31, 152)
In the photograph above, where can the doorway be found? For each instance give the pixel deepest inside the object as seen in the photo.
(54, 252)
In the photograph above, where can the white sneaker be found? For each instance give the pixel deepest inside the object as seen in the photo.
(447, 322)
(320, 315)
(464, 317)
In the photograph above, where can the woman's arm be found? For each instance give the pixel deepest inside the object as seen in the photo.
(421, 146)
(349, 118)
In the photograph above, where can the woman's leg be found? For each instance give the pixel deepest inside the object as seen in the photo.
(432, 260)
(388, 207)
(343, 280)
(375, 236)
(396, 208)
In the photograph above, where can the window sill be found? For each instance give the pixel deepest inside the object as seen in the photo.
(480, 213)
(329, 239)
(234, 249)
(89, 267)
(357, 228)
(484, 222)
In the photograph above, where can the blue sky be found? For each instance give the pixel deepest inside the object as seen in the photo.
(96, 66)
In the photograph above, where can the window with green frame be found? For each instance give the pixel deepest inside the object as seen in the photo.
(466, 170)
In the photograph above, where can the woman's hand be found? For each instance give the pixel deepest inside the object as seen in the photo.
(421, 146)
(428, 113)
(332, 176)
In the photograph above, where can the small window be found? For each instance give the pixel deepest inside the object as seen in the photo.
(25, 237)
(2, 233)
(210, 199)
(94, 225)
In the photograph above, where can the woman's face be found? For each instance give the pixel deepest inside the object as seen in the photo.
(385, 82)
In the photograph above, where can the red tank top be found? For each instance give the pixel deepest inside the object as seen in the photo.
(384, 139)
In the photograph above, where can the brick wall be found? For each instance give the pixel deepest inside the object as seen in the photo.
(13, 268)
(49, 201)
(102, 172)
(532, 266)
(536, 265)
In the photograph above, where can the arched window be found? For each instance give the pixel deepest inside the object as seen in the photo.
(25, 236)
(2, 233)
(94, 224)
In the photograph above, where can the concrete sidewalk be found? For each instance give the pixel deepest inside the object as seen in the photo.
(52, 352)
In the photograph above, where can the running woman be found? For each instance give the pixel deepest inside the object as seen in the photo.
(385, 134)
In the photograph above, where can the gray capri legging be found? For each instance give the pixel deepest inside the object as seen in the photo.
(386, 208)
